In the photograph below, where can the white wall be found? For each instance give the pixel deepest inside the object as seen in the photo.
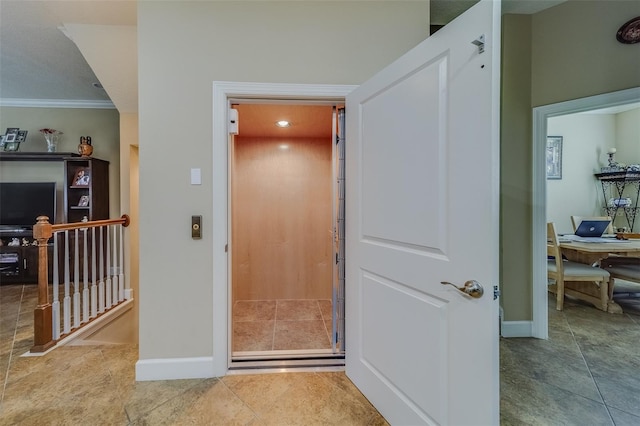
(628, 136)
(586, 139)
(183, 47)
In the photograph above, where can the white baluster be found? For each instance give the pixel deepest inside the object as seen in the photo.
(94, 288)
(76, 281)
(108, 282)
(101, 293)
(85, 277)
(121, 262)
(55, 306)
(114, 279)
(128, 293)
(67, 279)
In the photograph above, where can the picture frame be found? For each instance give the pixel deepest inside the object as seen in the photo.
(82, 177)
(84, 201)
(11, 130)
(21, 136)
(554, 157)
(10, 137)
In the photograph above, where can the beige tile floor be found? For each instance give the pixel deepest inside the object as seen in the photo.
(87, 385)
(267, 325)
(587, 373)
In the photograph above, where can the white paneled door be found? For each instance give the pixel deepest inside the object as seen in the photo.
(422, 209)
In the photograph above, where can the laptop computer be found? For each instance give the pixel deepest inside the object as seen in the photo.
(592, 228)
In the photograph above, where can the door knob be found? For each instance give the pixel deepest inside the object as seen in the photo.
(470, 288)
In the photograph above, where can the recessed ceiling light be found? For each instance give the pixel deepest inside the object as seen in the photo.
(283, 123)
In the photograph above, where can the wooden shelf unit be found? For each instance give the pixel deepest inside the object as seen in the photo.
(96, 191)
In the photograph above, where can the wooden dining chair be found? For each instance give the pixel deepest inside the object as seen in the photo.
(575, 222)
(562, 271)
(623, 268)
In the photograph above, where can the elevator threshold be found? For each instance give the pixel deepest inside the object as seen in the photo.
(287, 360)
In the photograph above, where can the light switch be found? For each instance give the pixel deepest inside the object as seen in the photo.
(196, 178)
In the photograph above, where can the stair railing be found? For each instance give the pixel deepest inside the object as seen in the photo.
(95, 285)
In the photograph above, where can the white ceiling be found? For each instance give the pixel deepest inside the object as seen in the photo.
(38, 61)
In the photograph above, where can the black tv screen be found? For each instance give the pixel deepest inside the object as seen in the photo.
(22, 202)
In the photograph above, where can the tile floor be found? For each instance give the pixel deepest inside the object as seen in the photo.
(87, 385)
(267, 325)
(587, 373)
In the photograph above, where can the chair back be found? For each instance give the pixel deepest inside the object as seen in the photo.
(561, 272)
(575, 222)
(553, 250)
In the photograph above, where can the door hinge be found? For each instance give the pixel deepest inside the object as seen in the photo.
(496, 292)
(479, 42)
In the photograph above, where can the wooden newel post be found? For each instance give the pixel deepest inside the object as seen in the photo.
(42, 315)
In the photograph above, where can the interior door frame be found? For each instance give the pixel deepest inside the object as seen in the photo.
(540, 325)
(222, 92)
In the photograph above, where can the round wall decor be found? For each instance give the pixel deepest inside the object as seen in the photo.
(629, 33)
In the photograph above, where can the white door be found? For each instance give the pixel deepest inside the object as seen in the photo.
(422, 208)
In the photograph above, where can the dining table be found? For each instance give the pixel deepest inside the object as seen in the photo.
(592, 253)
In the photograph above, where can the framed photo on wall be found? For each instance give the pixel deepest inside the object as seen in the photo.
(554, 157)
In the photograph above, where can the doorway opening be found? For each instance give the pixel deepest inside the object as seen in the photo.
(541, 115)
(286, 246)
(225, 94)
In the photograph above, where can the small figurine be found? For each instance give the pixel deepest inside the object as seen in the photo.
(25, 242)
(34, 243)
(15, 242)
(85, 149)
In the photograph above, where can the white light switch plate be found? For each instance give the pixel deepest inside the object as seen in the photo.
(196, 178)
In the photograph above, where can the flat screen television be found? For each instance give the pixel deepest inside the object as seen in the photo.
(22, 202)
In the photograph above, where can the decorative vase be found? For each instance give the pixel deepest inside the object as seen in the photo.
(52, 142)
(85, 149)
(52, 136)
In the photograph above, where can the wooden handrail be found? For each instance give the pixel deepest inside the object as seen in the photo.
(42, 233)
(123, 220)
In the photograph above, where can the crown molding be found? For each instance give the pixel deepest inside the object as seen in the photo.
(55, 103)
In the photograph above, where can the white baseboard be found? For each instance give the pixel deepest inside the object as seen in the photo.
(174, 368)
(517, 329)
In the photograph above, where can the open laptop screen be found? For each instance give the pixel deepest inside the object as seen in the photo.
(592, 228)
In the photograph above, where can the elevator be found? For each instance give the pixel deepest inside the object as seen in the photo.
(286, 242)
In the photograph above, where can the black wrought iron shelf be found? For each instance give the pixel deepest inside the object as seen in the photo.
(613, 187)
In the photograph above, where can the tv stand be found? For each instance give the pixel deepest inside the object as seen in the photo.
(17, 230)
(19, 263)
